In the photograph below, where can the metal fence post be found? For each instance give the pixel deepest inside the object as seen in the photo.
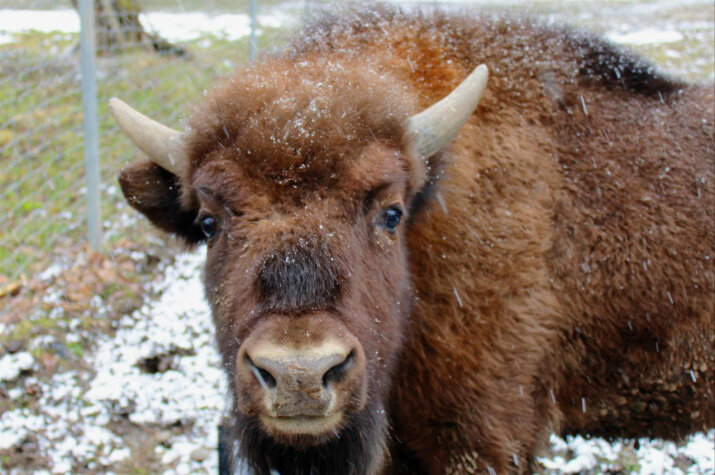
(91, 123)
(254, 28)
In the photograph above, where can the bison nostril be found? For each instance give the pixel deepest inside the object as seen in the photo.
(264, 377)
(337, 372)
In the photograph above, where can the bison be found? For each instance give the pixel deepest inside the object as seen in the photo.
(404, 282)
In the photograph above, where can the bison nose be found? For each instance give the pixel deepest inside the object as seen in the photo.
(299, 373)
(300, 383)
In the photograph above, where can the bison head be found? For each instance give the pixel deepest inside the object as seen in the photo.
(301, 177)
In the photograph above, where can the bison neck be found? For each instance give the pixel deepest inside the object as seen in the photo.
(359, 449)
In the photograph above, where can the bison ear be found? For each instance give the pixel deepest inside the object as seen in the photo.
(156, 193)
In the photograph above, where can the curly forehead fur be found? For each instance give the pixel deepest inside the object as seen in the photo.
(299, 123)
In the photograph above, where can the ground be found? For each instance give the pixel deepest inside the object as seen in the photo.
(107, 362)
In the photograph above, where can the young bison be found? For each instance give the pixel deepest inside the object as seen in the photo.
(412, 285)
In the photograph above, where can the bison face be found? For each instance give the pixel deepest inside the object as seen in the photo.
(309, 290)
(302, 191)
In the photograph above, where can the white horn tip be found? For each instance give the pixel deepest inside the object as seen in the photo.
(115, 105)
(160, 143)
(435, 126)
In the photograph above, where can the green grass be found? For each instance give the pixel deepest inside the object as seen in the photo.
(41, 151)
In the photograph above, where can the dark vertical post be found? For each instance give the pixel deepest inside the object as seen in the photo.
(254, 29)
(91, 123)
(225, 450)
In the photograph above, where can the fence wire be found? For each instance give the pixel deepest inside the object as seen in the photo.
(160, 60)
(165, 56)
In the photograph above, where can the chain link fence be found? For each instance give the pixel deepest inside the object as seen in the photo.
(159, 56)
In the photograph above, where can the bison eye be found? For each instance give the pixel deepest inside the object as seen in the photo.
(389, 218)
(209, 226)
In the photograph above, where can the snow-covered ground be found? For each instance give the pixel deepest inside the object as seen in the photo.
(161, 370)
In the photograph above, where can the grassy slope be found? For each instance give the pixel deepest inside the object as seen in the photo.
(42, 202)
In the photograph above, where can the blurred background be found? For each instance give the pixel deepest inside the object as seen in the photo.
(75, 259)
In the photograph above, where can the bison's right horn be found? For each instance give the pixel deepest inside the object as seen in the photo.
(435, 126)
(161, 144)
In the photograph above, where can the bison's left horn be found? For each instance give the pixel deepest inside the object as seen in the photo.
(162, 145)
(435, 126)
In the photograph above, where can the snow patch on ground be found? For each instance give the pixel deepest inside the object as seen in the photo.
(178, 335)
(46, 21)
(174, 27)
(189, 26)
(160, 369)
(646, 37)
(652, 457)
(15, 426)
(12, 365)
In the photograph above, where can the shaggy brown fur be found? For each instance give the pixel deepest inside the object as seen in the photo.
(556, 269)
